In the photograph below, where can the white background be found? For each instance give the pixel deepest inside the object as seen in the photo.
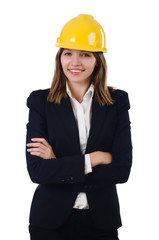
(28, 32)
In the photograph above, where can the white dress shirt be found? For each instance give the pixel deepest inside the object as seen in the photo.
(83, 113)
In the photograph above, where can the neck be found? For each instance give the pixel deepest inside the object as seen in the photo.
(78, 90)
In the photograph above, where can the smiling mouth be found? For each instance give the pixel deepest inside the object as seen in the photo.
(75, 70)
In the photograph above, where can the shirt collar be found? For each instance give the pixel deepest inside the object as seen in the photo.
(68, 90)
(88, 95)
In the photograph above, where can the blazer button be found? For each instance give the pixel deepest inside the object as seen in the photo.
(72, 179)
(62, 180)
(67, 179)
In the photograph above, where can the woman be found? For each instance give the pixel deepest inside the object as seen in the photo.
(78, 142)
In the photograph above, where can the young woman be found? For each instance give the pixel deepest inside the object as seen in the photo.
(78, 142)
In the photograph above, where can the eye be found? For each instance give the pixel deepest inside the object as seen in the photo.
(85, 55)
(67, 53)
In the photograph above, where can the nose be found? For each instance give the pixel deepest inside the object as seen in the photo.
(75, 60)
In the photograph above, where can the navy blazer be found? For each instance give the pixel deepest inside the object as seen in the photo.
(61, 179)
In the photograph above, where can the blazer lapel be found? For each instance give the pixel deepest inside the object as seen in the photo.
(69, 123)
(98, 117)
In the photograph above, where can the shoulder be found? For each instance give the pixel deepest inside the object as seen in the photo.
(120, 98)
(37, 97)
(117, 93)
(39, 94)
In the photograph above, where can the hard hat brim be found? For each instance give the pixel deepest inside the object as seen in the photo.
(80, 47)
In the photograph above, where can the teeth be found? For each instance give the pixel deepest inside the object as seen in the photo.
(76, 71)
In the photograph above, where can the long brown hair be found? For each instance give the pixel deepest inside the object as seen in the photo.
(98, 78)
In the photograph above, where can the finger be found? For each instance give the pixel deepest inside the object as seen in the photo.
(39, 145)
(38, 154)
(42, 140)
(36, 150)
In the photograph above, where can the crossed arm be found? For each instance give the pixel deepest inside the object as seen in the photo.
(40, 147)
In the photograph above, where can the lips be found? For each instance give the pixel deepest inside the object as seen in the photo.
(76, 70)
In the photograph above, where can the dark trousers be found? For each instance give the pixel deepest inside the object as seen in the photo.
(79, 226)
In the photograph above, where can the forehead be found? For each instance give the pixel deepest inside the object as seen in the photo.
(78, 51)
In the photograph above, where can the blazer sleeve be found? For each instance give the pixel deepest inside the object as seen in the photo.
(64, 170)
(118, 171)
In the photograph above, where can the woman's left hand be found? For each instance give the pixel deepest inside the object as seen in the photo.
(40, 147)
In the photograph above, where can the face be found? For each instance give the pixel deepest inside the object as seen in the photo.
(78, 65)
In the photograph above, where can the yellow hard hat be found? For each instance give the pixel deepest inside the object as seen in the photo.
(82, 33)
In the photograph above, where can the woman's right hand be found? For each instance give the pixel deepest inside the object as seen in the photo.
(100, 157)
(41, 148)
